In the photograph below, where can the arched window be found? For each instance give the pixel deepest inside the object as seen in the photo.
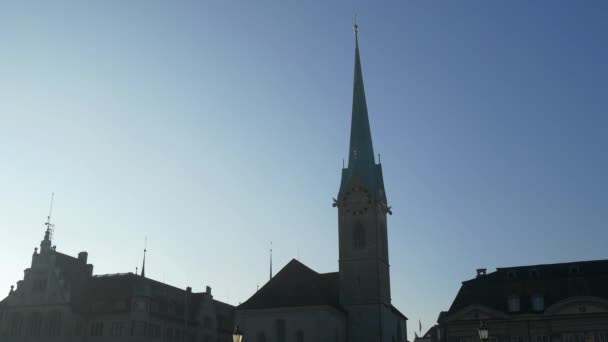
(359, 236)
(54, 323)
(299, 336)
(34, 323)
(16, 323)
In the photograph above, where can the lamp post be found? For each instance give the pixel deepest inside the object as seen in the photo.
(237, 335)
(483, 333)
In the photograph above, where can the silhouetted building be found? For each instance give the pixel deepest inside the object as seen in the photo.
(565, 302)
(354, 304)
(59, 299)
(432, 335)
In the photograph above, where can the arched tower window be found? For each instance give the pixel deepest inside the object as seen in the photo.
(359, 236)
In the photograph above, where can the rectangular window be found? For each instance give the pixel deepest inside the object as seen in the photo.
(39, 285)
(97, 329)
(514, 303)
(280, 327)
(538, 302)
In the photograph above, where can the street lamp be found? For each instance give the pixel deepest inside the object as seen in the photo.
(483, 333)
(237, 335)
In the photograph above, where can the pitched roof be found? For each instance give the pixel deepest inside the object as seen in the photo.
(555, 282)
(296, 285)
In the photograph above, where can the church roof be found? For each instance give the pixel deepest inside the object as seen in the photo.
(296, 285)
(555, 282)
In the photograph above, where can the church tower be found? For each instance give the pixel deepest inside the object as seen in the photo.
(364, 268)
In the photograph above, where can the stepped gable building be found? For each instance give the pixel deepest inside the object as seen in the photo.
(59, 299)
(353, 304)
(566, 302)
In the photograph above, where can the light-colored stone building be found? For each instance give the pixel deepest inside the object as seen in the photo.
(353, 304)
(60, 299)
(565, 302)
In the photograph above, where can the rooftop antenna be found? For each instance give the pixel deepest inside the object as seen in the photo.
(50, 228)
(270, 260)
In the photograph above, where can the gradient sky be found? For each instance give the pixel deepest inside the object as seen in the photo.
(215, 127)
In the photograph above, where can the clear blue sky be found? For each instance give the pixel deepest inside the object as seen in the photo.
(215, 127)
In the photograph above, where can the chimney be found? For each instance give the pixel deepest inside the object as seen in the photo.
(208, 290)
(188, 290)
(481, 272)
(90, 269)
(83, 256)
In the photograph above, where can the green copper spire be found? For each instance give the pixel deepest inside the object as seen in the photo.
(361, 161)
(361, 152)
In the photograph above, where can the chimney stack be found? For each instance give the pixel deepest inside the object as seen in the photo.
(83, 256)
(188, 290)
(208, 290)
(481, 272)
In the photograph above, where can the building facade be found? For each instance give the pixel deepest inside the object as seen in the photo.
(353, 304)
(60, 299)
(565, 302)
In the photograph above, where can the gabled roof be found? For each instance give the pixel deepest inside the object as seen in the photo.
(294, 286)
(555, 282)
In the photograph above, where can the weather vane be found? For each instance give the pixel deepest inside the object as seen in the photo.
(355, 26)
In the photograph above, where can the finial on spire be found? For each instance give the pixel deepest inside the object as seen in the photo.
(49, 226)
(356, 28)
(143, 266)
(270, 260)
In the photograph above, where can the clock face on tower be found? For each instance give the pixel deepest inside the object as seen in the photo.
(357, 200)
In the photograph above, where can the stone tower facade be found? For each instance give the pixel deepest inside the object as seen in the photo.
(362, 208)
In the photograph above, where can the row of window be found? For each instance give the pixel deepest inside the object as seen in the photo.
(537, 301)
(601, 336)
(280, 333)
(33, 323)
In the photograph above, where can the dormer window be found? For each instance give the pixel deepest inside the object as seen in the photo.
(514, 303)
(534, 274)
(538, 302)
(574, 269)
